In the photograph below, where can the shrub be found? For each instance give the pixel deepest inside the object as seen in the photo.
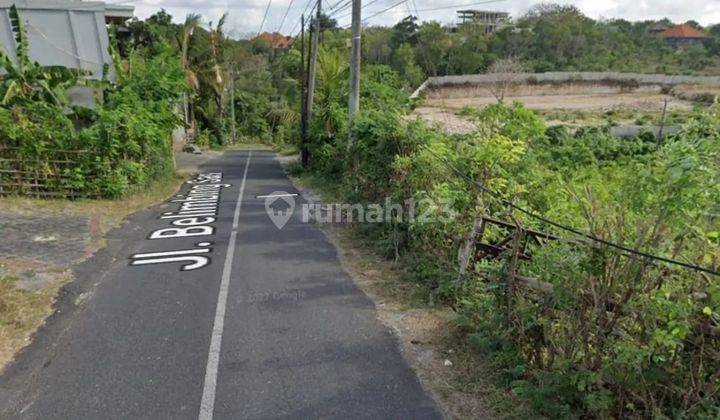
(126, 142)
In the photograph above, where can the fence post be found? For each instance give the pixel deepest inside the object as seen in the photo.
(512, 267)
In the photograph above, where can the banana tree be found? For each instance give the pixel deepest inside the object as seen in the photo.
(25, 80)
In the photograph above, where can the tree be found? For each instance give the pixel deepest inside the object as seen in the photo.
(376, 46)
(405, 31)
(326, 22)
(404, 63)
(432, 46)
(507, 73)
(469, 52)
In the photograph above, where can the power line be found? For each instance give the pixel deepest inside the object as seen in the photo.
(459, 5)
(267, 9)
(380, 12)
(337, 7)
(348, 5)
(282, 22)
(336, 4)
(342, 8)
(293, 31)
(385, 10)
(431, 9)
(558, 225)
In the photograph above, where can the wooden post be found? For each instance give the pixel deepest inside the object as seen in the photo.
(313, 60)
(303, 97)
(662, 125)
(512, 267)
(464, 254)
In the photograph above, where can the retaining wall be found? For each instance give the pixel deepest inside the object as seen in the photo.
(612, 78)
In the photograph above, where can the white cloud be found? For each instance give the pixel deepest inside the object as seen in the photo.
(245, 15)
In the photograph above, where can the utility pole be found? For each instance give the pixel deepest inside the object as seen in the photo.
(354, 99)
(303, 96)
(313, 60)
(232, 103)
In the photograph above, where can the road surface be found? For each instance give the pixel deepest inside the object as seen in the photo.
(268, 325)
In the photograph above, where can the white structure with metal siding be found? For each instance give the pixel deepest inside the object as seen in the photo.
(60, 32)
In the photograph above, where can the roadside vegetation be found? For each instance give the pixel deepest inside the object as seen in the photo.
(590, 331)
(609, 335)
(577, 328)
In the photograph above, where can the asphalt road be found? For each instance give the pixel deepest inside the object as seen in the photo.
(271, 327)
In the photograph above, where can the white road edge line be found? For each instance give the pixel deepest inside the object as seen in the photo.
(207, 406)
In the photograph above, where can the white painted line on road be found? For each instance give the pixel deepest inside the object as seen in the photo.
(170, 253)
(276, 195)
(207, 405)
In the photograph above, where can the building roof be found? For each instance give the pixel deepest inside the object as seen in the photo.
(659, 27)
(276, 40)
(683, 31)
(119, 11)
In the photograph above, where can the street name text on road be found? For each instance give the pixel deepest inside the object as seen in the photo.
(198, 210)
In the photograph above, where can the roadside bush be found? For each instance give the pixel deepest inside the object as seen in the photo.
(611, 335)
(126, 142)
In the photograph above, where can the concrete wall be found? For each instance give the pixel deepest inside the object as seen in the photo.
(568, 77)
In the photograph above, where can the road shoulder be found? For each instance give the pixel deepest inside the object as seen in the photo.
(462, 381)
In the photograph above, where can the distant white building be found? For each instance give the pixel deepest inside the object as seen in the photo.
(492, 20)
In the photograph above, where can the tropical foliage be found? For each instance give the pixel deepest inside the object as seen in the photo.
(606, 334)
(120, 145)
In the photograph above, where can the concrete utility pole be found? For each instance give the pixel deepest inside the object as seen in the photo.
(313, 60)
(232, 103)
(303, 96)
(354, 99)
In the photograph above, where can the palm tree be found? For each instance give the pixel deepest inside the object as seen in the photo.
(192, 21)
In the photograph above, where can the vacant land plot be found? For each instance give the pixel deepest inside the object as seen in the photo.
(572, 104)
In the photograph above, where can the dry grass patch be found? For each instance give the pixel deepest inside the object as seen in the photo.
(23, 311)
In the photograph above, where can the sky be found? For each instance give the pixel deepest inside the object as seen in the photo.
(246, 16)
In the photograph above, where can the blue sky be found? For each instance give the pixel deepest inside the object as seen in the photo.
(245, 16)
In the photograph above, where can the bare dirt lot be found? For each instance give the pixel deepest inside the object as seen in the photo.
(442, 105)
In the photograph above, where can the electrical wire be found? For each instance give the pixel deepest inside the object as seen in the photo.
(558, 225)
(385, 10)
(267, 9)
(282, 22)
(62, 50)
(335, 4)
(293, 32)
(428, 10)
(460, 5)
(379, 13)
(336, 8)
(350, 13)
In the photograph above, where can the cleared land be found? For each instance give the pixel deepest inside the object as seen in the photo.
(573, 104)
